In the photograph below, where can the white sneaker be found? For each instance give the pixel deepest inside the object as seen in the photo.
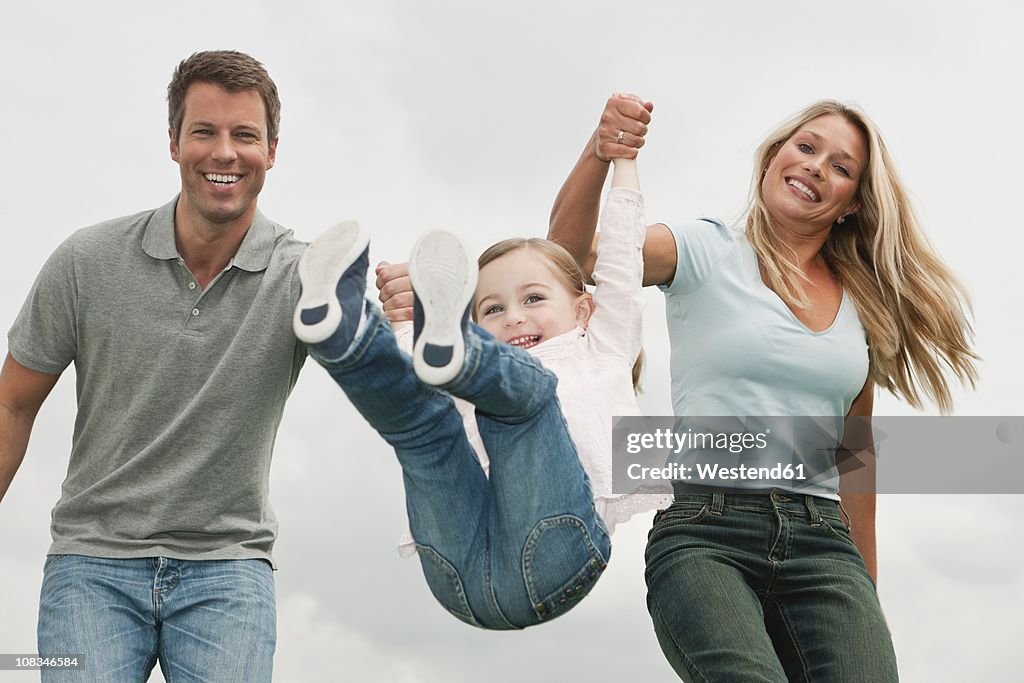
(333, 276)
(443, 276)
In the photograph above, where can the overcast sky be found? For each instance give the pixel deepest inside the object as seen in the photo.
(413, 115)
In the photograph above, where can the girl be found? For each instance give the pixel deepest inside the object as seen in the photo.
(526, 543)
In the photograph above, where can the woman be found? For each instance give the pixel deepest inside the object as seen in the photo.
(829, 290)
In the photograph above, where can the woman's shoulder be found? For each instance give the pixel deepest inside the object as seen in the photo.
(703, 228)
(700, 245)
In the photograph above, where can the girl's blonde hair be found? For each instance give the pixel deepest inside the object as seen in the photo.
(564, 266)
(913, 308)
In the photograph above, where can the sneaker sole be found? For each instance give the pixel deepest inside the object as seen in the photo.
(320, 268)
(443, 276)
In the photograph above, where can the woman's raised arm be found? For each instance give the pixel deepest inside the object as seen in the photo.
(620, 133)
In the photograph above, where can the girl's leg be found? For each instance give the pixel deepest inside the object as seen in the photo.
(446, 492)
(505, 553)
(547, 544)
(446, 489)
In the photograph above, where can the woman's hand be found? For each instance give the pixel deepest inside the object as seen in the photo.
(623, 127)
(619, 135)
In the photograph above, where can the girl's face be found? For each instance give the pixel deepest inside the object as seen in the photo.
(522, 301)
(813, 179)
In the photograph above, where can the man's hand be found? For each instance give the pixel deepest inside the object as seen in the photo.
(395, 290)
(623, 126)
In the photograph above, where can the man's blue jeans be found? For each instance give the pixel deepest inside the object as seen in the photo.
(509, 551)
(212, 621)
(764, 588)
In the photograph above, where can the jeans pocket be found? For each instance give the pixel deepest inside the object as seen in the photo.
(837, 529)
(446, 584)
(836, 522)
(678, 513)
(562, 562)
(52, 560)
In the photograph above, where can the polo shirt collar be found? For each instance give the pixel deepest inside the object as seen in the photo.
(253, 253)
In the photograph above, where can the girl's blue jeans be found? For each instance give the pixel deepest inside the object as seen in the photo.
(505, 552)
(765, 588)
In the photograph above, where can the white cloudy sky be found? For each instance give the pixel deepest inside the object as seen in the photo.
(411, 115)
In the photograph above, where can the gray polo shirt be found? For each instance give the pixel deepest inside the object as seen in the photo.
(180, 389)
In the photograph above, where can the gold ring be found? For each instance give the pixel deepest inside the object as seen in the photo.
(621, 135)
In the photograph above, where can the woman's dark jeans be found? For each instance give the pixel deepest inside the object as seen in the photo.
(766, 587)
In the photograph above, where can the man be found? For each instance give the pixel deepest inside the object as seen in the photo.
(178, 321)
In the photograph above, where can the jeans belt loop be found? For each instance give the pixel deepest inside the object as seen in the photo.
(845, 516)
(717, 502)
(813, 509)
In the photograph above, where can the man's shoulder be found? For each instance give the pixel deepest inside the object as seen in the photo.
(113, 230)
(285, 237)
(286, 246)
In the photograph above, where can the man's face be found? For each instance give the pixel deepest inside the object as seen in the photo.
(223, 152)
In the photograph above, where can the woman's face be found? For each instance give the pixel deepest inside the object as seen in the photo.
(813, 179)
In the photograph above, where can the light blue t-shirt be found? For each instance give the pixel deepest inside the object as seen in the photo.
(737, 349)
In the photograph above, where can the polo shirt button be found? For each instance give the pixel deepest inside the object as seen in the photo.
(191, 285)
(195, 311)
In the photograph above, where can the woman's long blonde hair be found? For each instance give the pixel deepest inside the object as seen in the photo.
(913, 308)
(564, 266)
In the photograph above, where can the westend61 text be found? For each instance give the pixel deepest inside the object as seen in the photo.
(714, 472)
(668, 439)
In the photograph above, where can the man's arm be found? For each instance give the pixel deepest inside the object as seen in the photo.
(857, 487)
(22, 392)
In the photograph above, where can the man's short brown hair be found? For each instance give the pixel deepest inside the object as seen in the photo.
(231, 70)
